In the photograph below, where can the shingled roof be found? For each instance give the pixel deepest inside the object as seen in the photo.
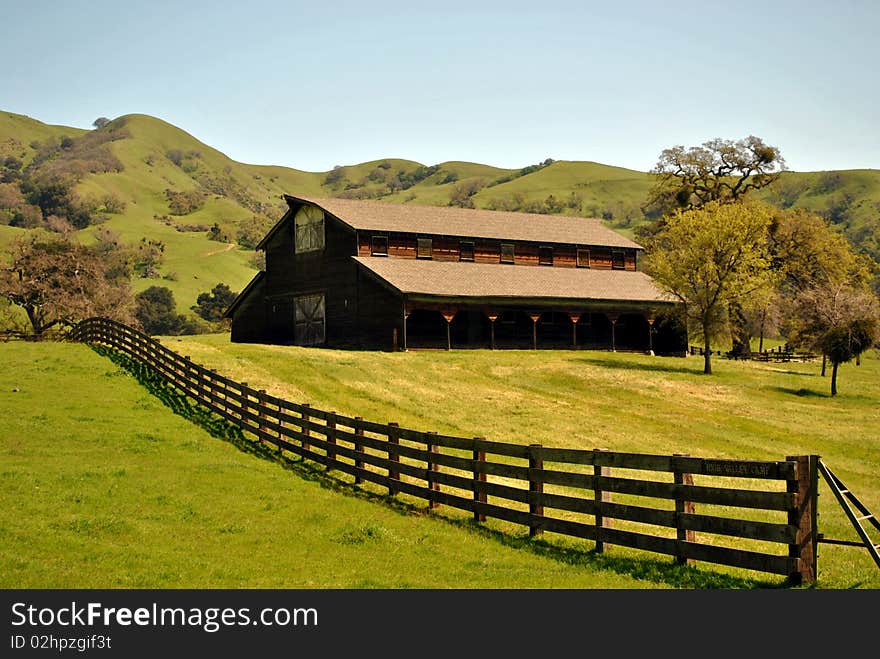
(462, 222)
(454, 279)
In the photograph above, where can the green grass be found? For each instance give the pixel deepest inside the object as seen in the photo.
(585, 400)
(104, 487)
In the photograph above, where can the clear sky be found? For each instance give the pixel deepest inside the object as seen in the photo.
(316, 84)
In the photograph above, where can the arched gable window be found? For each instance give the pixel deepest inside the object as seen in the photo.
(309, 229)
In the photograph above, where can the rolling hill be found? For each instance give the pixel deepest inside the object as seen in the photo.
(206, 209)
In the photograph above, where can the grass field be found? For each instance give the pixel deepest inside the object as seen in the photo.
(103, 486)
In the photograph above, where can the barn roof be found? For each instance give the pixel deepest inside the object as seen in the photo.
(463, 222)
(455, 279)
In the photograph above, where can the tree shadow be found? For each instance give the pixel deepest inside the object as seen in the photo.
(659, 367)
(643, 569)
(800, 393)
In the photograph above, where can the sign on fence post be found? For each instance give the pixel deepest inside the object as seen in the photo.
(536, 489)
(393, 455)
(682, 507)
(803, 516)
(479, 479)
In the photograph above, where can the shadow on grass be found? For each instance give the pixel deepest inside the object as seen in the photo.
(657, 367)
(801, 393)
(652, 570)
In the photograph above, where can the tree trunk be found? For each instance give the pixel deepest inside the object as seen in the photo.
(35, 318)
(742, 339)
(824, 361)
(834, 378)
(707, 352)
(761, 342)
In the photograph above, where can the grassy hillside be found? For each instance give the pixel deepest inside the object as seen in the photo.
(585, 400)
(104, 487)
(156, 157)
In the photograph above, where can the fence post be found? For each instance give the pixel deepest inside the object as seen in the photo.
(432, 466)
(358, 447)
(479, 478)
(683, 507)
(536, 489)
(600, 497)
(331, 438)
(305, 428)
(280, 428)
(393, 455)
(244, 404)
(261, 412)
(803, 516)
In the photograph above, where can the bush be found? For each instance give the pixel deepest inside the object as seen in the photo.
(155, 311)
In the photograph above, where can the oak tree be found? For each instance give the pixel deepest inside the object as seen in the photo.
(710, 258)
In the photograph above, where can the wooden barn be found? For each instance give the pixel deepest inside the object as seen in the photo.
(366, 274)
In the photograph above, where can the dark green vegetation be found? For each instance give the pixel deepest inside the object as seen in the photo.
(145, 179)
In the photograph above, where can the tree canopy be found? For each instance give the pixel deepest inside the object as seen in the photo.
(59, 282)
(710, 258)
(718, 170)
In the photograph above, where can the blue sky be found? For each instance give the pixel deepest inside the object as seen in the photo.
(312, 85)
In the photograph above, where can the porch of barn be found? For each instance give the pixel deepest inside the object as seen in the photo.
(460, 327)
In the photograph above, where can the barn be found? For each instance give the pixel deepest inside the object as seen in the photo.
(373, 275)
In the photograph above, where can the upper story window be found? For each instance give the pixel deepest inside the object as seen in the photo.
(618, 259)
(423, 248)
(379, 246)
(545, 255)
(308, 229)
(583, 258)
(466, 251)
(507, 254)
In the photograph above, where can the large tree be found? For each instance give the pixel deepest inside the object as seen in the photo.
(710, 258)
(58, 282)
(718, 170)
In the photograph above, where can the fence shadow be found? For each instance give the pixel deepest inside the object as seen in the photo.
(643, 569)
(661, 367)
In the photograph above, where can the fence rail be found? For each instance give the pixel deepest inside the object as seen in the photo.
(547, 489)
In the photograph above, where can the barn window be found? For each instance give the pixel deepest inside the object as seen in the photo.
(309, 229)
(423, 248)
(583, 258)
(379, 246)
(618, 262)
(507, 253)
(466, 251)
(308, 319)
(545, 255)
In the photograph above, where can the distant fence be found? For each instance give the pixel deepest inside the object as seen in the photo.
(769, 527)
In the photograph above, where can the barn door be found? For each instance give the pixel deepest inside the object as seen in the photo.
(308, 317)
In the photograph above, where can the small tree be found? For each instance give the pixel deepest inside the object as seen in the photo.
(839, 319)
(211, 306)
(100, 122)
(710, 258)
(155, 310)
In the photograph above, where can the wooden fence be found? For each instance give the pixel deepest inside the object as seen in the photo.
(765, 522)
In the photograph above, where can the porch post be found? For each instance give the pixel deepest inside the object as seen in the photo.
(575, 317)
(534, 330)
(650, 320)
(492, 318)
(448, 316)
(613, 318)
